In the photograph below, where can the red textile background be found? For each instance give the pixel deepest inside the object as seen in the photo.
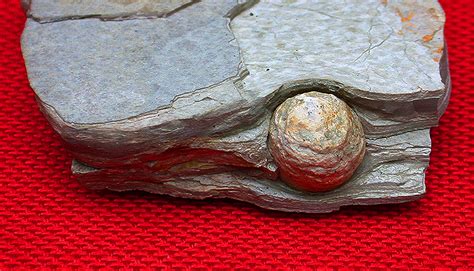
(48, 221)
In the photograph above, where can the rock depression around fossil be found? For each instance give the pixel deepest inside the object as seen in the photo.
(177, 98)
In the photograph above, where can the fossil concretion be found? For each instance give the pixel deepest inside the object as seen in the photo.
(316, 140)
(177, 97)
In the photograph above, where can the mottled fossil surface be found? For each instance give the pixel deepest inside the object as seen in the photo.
(177, 97)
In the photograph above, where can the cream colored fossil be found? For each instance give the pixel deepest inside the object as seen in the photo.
(317, 141)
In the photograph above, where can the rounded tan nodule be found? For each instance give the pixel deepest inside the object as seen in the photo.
(317, 141)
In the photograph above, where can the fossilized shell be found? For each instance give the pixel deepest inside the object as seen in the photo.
(317, 141)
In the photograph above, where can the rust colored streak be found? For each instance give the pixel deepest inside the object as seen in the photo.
(179, 161)
(427, 38)
(194, 161)
(176, 156)
(184, 161)
(406, 18)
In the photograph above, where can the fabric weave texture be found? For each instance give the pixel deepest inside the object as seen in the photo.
(48, 221)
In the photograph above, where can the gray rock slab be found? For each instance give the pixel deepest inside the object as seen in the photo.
(93, 91)
(121, 81)
(113, 70)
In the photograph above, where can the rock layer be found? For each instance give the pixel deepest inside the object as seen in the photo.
(51, 11)
(128, 88)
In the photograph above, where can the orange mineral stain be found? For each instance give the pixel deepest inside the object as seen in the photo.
(439, 50)
(404, 18)
(427, 38)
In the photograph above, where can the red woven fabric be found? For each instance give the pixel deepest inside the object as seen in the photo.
(49, 221)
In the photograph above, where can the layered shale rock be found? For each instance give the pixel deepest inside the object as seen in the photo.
(177, 97)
